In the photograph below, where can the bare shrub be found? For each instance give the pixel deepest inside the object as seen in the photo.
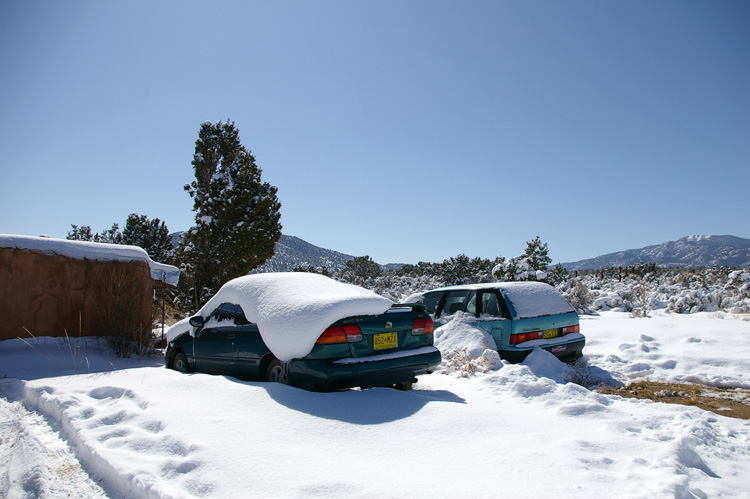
(640, 300)
(466, 365)
(124, 313)
(586, 376)
(578, 295)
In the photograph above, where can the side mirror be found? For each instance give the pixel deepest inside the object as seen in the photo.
(196, 321)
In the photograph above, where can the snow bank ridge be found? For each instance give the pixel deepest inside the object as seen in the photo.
(160, 464)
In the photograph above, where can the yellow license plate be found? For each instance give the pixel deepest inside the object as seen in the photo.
(550, 333)
(384, 341)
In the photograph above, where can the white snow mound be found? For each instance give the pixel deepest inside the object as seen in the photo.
(460, 333)
(545, 365)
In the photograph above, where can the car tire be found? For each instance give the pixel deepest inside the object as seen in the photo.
(407, 385)
(276, 372)
(180, 363)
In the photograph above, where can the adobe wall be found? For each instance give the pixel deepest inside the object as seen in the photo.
(52, 294)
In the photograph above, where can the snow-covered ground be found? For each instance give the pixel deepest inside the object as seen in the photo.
(85, 424)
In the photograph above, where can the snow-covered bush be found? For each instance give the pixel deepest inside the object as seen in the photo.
(396, 288)
(639, 290)
(641, 300)
(465, 365)
(674, 290)
(578, 295)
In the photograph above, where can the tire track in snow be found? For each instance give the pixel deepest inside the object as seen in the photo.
(36, 461)
(108, 426)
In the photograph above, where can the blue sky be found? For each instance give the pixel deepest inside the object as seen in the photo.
(404, 130)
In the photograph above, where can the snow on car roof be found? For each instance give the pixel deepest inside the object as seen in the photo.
(292, 309)
(536, 299)
(93, 251)
(528, 298)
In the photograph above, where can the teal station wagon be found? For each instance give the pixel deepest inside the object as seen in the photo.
(519, 315)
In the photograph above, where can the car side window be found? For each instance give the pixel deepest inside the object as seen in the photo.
(431, 301)
(456, 301)
(227, 315)
(471, 303)
(493, 304)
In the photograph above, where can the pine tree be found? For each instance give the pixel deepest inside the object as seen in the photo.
(151, 235)
(537, 255)
(514, 269)
(236, 213)
(526, 267)
(109, 236)
(558, 274)
(82, 233)
(363, 267)
(455, 270)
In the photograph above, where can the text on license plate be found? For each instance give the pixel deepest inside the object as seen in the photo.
(550, 333)
(384, 340)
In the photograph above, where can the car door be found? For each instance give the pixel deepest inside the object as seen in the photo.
(494, 316)
(215, 345)
(214, 351)
(250, 351)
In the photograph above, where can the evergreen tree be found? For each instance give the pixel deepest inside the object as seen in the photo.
(151, 235)
(363, 267)
(311, 269)
(407, 270)
(537, 255)
(531, 266)
(236, 213)
(82, 233)
(456, 270)
(110, 236)
(464, 270)
(512, 269)
(558, 274)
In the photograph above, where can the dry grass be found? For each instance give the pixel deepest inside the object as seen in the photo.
(734, 403)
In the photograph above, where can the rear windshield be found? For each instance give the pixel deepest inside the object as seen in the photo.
(536, 300)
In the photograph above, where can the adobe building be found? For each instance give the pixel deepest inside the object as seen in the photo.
(54, 287)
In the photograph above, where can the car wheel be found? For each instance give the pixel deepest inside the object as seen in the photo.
(180, 363)
(276, 372)
(408, 385)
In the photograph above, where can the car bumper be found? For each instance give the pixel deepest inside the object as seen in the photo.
(566, 352)
(365, 372)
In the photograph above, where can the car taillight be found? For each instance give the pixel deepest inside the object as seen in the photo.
(340, 334)
(517, 338)
(423, 325)
(570, 329)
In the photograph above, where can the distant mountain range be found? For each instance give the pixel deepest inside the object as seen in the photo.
(292, 251)
(690, 251)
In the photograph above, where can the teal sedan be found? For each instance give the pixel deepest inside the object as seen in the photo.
(385, 349)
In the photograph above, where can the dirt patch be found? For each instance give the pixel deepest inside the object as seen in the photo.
(734, 403)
